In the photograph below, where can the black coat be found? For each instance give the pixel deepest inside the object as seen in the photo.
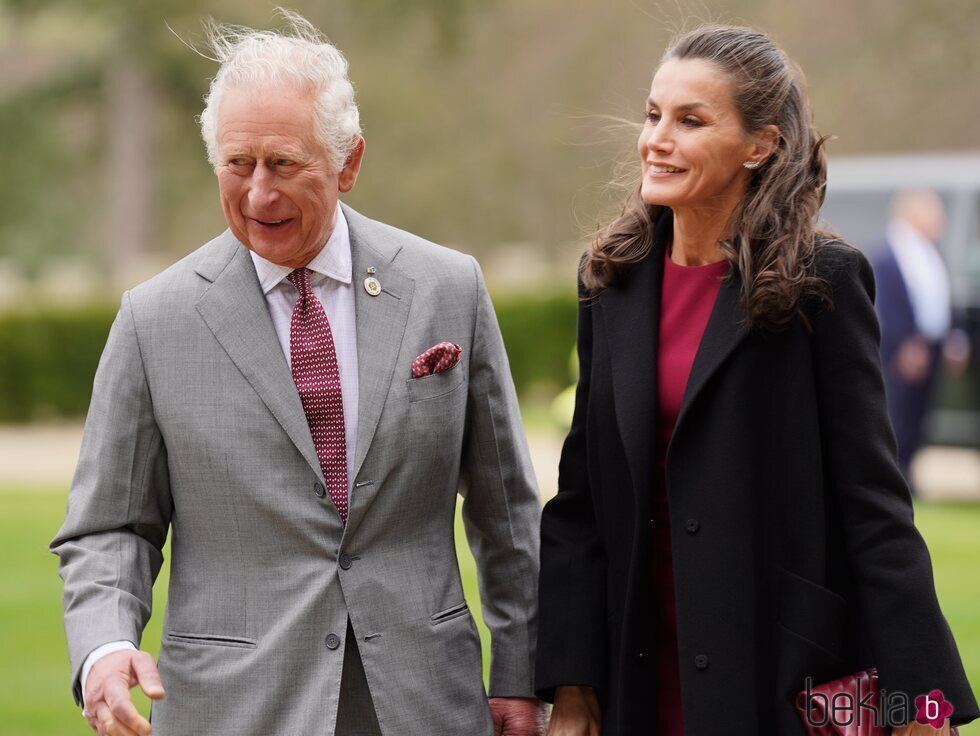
(793, 544)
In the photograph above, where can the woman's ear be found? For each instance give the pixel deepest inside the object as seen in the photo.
(766, 141)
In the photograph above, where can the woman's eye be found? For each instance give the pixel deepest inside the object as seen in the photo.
(692, 122)
(653, 116)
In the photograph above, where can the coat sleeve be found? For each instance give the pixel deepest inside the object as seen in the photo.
(911, 642)
(501, 506)
(119, 506)
(572, 646)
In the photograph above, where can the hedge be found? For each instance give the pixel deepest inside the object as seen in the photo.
(48, 357)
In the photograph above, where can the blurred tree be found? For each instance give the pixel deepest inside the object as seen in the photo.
(140, 71)
(134, 68)
(483, 121)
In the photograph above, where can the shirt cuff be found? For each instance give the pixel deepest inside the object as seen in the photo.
(98, 653)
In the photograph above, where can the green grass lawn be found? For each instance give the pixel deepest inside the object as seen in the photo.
(35, 696)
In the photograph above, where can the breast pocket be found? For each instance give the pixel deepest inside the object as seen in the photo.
(436, 385)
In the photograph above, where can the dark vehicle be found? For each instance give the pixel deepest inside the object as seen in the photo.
(859, 192)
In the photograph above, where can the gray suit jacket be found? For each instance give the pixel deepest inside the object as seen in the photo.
(196, 427)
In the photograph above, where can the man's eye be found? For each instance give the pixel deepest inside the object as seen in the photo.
(281, 162)
(236, 162)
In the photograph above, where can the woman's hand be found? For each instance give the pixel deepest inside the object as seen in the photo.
(576, 712)
(917, 729)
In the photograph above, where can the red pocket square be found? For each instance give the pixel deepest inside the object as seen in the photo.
(436, 359)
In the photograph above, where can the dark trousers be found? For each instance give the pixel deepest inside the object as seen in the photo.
(355, 713)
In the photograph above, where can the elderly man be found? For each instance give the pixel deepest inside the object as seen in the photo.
(297, 402)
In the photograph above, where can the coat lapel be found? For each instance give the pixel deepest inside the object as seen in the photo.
(631, 315)
(235, 310)
(381, 322)
(724, 331)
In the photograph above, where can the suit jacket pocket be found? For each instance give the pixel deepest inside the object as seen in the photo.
(812, 612)
(436, 385)
(213, 640)
(441, 617)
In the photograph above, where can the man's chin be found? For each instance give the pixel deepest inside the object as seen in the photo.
(274, 250)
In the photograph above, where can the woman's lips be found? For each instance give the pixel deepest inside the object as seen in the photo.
(661, 171)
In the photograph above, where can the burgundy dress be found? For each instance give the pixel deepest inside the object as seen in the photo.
(688, 295)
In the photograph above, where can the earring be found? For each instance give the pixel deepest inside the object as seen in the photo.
(752, 164)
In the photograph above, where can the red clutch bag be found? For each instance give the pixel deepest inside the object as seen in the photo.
(850, 706)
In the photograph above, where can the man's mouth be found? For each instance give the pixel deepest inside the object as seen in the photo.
(272, 223)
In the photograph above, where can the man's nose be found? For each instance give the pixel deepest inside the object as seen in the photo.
(263, 192)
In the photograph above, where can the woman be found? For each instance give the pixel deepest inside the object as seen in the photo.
(730, 519)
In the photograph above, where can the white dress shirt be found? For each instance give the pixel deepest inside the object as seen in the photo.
(332, 283)
(925, 277)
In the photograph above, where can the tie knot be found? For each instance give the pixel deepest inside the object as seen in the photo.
(300, 278)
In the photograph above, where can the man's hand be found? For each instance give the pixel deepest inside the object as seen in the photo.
(913, 359)
(956, 352)
(576, 712)
(109, 708)
(518, 716)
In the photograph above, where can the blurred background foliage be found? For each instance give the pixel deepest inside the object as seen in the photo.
(493, 127)
(49, 355)
(484, 121)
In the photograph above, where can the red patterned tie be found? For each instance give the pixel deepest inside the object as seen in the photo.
(314, 365)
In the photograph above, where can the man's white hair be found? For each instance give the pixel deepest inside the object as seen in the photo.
(301, 57)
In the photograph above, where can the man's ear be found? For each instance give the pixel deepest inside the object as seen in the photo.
(348, 176)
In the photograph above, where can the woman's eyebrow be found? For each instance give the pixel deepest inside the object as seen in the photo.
(686, 107)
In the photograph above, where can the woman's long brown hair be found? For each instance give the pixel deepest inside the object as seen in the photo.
(771, 243)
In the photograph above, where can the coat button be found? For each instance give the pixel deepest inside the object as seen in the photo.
(638, 655)
(701, 661)
(319, 490)
(346, 561)
(692, 526)
(332, 641)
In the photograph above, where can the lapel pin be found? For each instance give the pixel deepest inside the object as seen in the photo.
(371, 270)
(372, 286)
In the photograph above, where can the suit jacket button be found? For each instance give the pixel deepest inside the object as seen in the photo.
(692, 526)
(346, 561)
(319, 490)
(332, 641)
(701, 661)
(638, 654)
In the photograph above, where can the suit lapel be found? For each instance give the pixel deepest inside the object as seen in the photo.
(381, 322)
(235, 310)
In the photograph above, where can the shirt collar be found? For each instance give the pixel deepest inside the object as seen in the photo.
(904, 236)
(333, 260)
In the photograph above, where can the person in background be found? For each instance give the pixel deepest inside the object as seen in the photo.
(730, 518)
(297, 404)
(914, 310)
